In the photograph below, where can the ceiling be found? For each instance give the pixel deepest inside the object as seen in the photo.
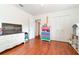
(37, 9)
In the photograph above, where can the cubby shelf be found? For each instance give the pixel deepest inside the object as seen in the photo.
(45, 33)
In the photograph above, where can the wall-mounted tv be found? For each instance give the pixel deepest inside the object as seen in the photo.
(9, 28)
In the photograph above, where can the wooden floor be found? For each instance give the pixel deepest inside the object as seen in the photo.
(38, 47)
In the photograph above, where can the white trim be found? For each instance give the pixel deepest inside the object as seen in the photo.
(75, 49)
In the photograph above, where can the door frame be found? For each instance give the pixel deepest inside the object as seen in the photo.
(37, 27)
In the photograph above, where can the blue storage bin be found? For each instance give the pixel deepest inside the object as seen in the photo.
(45, 33)
(26, 35)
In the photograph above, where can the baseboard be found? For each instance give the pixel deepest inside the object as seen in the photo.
(61, 41)
(75, 49)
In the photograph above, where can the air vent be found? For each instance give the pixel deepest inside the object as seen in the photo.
(21, 5)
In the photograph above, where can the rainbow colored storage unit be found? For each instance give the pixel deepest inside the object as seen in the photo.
(45, 33)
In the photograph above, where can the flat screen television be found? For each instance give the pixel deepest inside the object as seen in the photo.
(9, 28)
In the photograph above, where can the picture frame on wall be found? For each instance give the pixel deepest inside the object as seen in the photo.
(9, 28)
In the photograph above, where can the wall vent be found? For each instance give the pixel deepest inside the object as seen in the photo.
(21, 5)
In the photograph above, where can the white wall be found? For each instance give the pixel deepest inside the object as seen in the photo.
(12, 14)
(31, 28)
(61, 23)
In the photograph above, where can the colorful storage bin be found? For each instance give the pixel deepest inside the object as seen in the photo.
(45, 34)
